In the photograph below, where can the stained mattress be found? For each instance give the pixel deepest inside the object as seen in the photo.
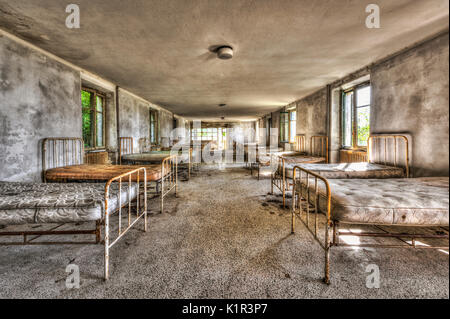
(99, 172)
(405, 201)
(152, 157)
(28, 203)
(264, 160)
(349, 170)
(303, 159)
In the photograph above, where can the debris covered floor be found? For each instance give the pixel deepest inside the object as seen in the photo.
(224, 237)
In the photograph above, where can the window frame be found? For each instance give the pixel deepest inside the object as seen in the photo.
(93, 109)
(284, 115)
(354, 111)
(155, 121)
(292, 136)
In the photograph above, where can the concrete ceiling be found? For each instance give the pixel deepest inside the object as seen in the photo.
(284, 49)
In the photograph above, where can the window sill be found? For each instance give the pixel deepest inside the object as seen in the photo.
(94, 150)
(354, 149)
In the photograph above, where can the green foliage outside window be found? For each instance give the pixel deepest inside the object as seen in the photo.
(356, 116)
(92, 119)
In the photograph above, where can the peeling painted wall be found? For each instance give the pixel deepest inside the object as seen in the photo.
(39, 98)
(411, 95)
(134, 118)
(312, 115)
(166, 127)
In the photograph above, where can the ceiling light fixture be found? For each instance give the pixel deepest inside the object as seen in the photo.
(225, 52)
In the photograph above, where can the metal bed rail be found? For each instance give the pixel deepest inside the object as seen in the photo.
(379, 150)
(300, 144)
(169, 177)
(303, 206)
(139, 214)
(319, 146)
(134, 213)
(278, 176)
(61, 151)
(125, 147)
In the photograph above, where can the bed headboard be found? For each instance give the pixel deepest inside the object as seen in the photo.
(300, 144)
(62, 151)
(319, 146)
(144, 145)
(389, 150)
(125, 147)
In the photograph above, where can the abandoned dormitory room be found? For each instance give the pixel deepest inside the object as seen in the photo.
(236, 150)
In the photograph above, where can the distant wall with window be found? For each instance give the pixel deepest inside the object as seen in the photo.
(39, 98)
(411, 95)
(406, 93)
(42, 97)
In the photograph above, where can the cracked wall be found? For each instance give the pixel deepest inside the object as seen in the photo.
(35, 93)
(411, 95)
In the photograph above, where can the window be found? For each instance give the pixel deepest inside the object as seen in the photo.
(153, 127)
(284, 127)
(205, 134)
(288, 126)
(356, 116)
(292, 126)
(93, 113)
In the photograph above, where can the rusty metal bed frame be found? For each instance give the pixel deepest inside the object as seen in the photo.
(126, 148)
(63, 151)
(318, 148)
(375, 142)
(378, 151)
(332, 232)
(299, 147)
(108, 240)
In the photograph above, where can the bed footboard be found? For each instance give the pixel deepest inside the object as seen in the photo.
(134, 213)
(278, 176)
(308, 177)
(169, 177)
(306, 208)
(125, 147)
(141, 212)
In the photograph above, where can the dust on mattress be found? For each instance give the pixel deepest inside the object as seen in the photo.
(404, 201)
(28, 203)
(349, 170)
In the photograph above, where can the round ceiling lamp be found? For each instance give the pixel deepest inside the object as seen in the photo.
(225, 52)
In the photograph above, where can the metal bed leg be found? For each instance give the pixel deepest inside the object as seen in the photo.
(271, 184)
(162, 194)
(162, 200)
(284, 187)
(106, 261)
(293, 211)
(98, 232)
(176, 178)
(327, 247)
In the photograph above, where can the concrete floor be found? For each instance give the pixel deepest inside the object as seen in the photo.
(222, 238)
